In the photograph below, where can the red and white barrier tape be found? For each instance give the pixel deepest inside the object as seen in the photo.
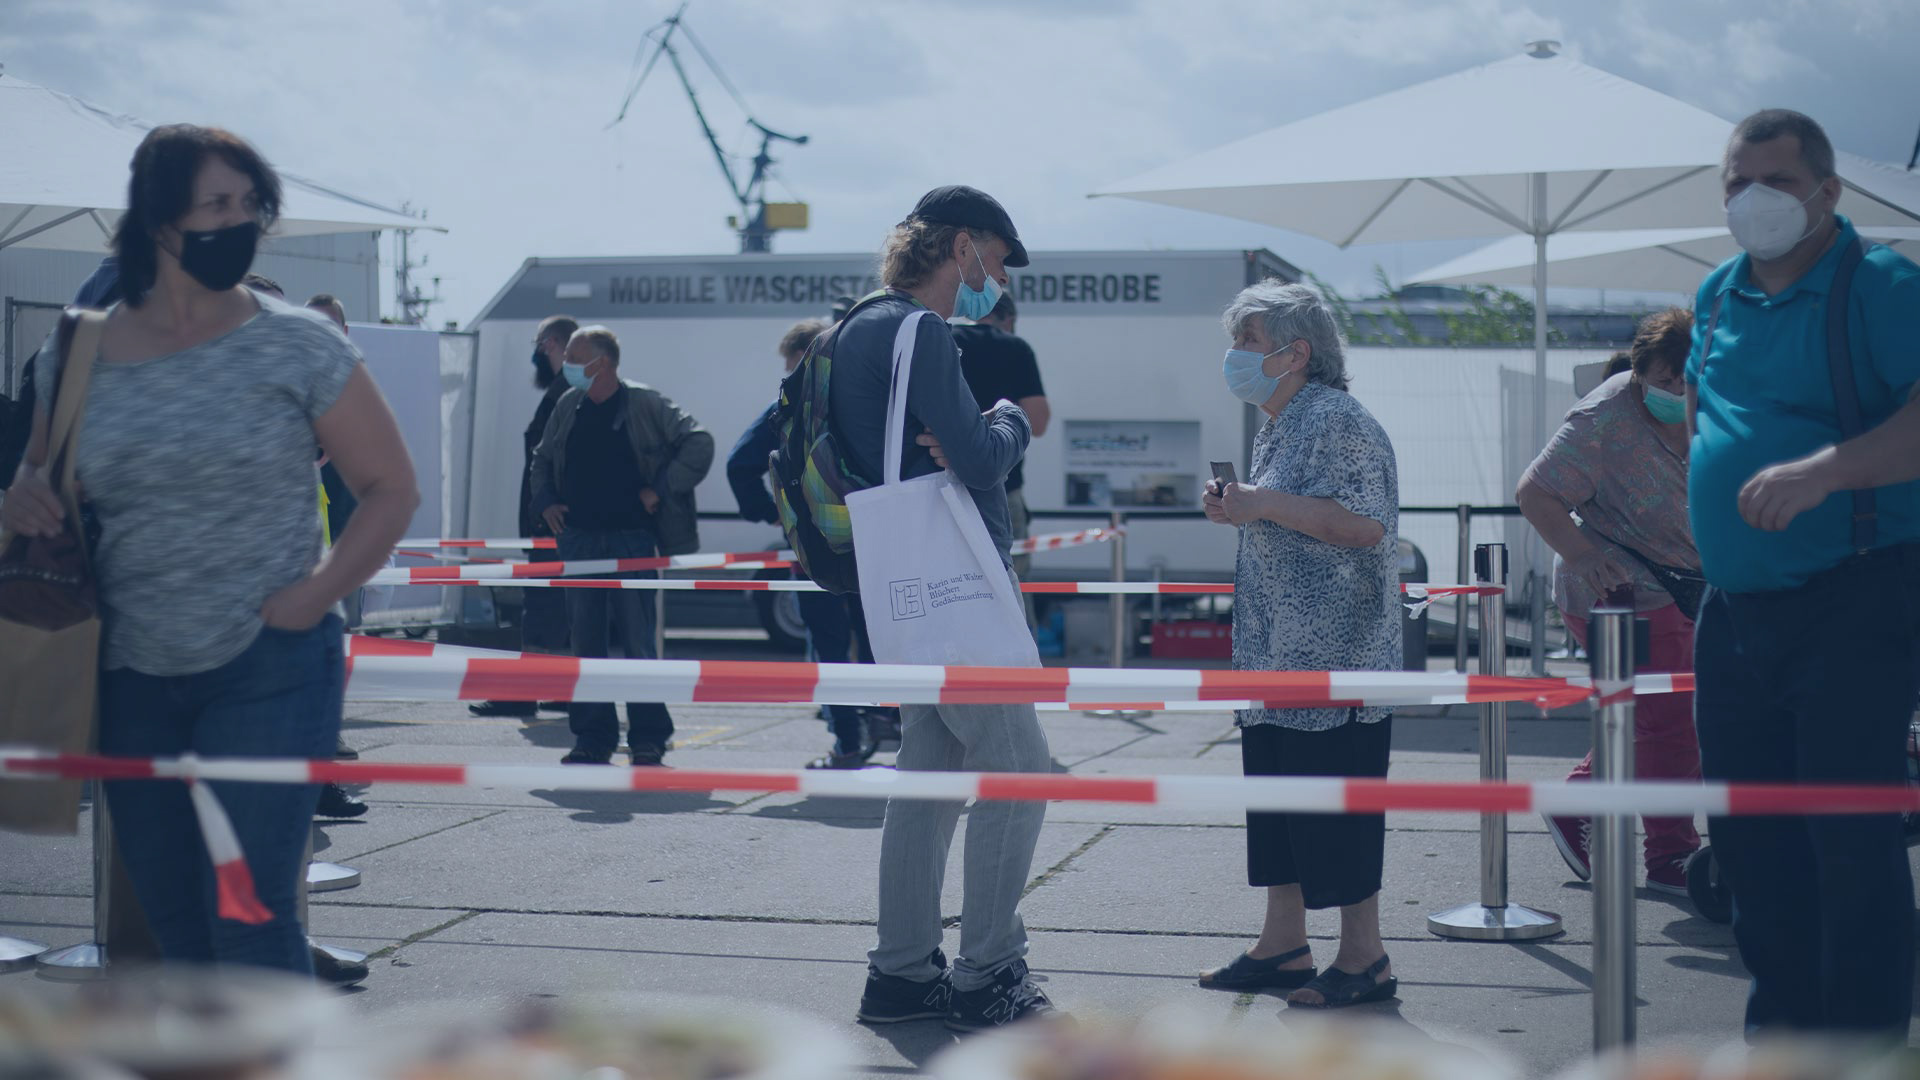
(531, 677)
(1055, 541)
(362, 648)
(1425, 593)
(1312, 795)
(454, 575)
(1048, 542)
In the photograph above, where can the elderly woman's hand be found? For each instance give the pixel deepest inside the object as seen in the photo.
(1211, 502)
(1244, 503)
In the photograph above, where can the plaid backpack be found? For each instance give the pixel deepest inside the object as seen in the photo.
(811, 477)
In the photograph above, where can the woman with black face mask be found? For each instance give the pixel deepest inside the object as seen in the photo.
(207, 407)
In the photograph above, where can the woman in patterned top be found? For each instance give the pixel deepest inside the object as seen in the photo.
(1620, 463)
(1315, 589)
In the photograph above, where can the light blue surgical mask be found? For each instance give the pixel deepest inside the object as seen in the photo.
(1666, 406)
(577, 376)
(1245, 379)
(972, 303)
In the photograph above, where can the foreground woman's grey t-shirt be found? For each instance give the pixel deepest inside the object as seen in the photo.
(200, 467)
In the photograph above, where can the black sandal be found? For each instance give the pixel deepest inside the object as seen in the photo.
(1339, 989)
(1246, 973)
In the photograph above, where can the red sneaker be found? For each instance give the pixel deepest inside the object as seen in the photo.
(1574, 837)
(1669, 875)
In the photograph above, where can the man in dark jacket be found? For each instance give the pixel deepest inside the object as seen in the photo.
(543, 612)
(613, 477)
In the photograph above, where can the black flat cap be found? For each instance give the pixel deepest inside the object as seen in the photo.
(971, 208)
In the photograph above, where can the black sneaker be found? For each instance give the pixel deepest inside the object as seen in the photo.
(334, 971)
(1009, 997)
(648, 754)
(890, 999)
(336, 803)
(522, 709)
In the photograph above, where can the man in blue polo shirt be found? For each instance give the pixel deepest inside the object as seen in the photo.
(1805, 647)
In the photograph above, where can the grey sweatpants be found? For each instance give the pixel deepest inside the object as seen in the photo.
(1000, 841)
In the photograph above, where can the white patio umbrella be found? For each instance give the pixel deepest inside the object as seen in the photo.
(1651, 260)
(1538, 144)
(63, 180)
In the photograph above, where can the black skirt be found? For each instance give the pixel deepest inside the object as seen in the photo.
(1334, 858)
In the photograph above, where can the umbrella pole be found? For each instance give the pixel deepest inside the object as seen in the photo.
(1541, 563)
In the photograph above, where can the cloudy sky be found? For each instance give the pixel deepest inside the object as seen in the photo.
(493, 116)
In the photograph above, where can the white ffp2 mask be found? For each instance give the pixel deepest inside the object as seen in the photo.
(1766, 222)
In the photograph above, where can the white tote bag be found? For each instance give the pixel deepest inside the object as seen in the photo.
(934, 588)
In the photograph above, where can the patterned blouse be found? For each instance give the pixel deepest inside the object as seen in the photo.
(1301, 604)
(1608, 464)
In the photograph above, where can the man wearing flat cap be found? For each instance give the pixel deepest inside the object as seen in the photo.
(950, 256)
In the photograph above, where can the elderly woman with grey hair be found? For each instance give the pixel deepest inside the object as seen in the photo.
(1315, 589)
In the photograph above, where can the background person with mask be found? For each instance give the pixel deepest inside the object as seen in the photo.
(614, 476)
(1000, 365)
(543, 612)
(1804, 654)
(1620, 463)
(835, 624)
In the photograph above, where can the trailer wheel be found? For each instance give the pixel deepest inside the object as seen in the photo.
(1709, 894)
(779, 614)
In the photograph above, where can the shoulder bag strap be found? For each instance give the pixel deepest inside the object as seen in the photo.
(897, 402)
(1846, 392)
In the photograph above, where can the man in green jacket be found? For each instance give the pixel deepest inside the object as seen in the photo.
(613, 477)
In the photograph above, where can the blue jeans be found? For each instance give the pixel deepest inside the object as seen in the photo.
(1815, 685)
(596, 617)
(279, 698)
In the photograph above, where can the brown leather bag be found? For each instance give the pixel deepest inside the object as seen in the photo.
(49, 610)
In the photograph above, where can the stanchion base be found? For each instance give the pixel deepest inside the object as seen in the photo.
(17, 953)
(75, 963)
(330, 876)
(1477, 922)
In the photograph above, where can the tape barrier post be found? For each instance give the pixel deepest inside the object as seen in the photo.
(1119, 602)
(1614, 978)
(1493, 918)
(1463, 518)
(88, 960)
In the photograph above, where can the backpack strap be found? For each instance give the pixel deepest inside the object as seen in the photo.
(1846, 392)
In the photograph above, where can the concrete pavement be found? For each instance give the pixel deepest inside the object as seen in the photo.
(496, 894)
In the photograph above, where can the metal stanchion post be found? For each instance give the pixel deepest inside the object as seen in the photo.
(1464, 519)
(88, 960)
(326, 877)
(1611, 643)
(1493, 918)
(1119, 603)
(660, 623)
(1122, 644)
(1537, 595)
